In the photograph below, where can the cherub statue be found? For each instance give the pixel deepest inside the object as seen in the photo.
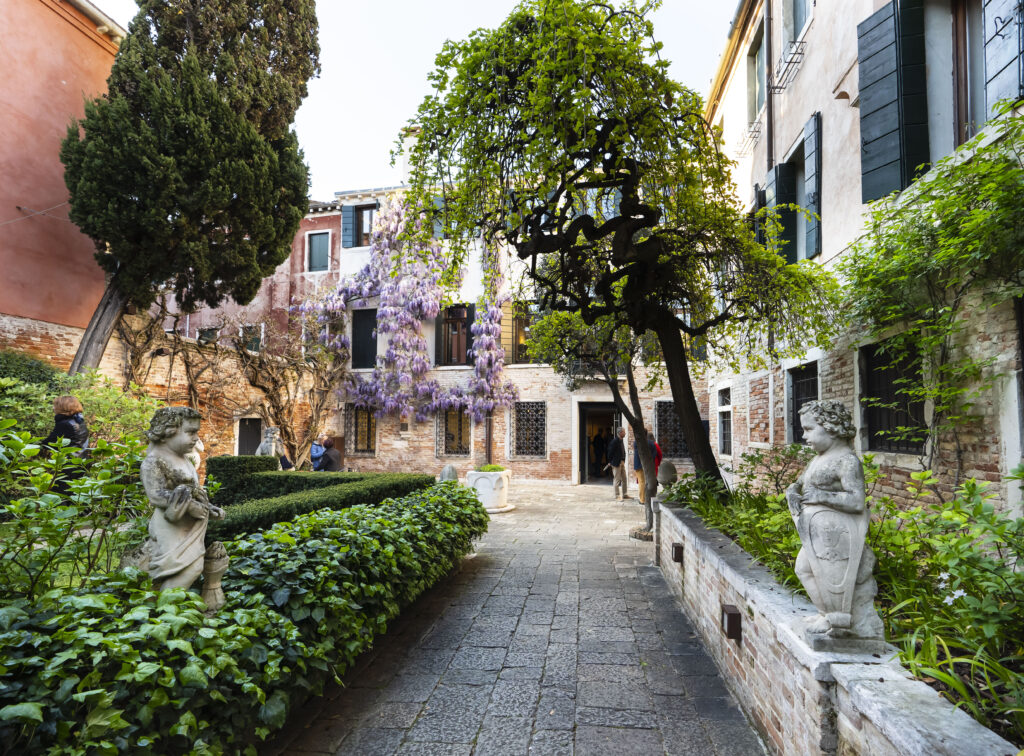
(831, 514)
(175, 553)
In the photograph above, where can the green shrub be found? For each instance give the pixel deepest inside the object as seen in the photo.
(117, 668)
(367, 488)
(65, 517)
(268, 484)
(28, 369)
(235, 475)
(111, 411)
(29, 405)
(490, 468)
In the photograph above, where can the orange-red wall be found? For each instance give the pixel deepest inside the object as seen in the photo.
(51, 59)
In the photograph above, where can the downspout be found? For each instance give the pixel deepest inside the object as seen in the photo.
(489, 436)
(769, 81)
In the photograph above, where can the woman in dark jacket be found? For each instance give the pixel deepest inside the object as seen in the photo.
(331, 459)
(68, 423)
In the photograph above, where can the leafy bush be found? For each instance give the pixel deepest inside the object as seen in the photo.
(65, 517)
(235, 475)
(773, 469)
(950, 579)
(28, 369)
(258, 514)
(490, 468)
(29, 405)
(117, 667)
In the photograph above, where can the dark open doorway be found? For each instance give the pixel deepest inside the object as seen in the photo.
(594, 417)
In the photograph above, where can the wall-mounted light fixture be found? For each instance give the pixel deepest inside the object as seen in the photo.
(677, 552)
(732, 623)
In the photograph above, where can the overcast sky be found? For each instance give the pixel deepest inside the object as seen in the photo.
(375, 58)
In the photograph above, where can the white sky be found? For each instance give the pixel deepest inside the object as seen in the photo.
(375, 58)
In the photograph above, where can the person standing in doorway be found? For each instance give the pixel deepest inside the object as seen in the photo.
(617, 460)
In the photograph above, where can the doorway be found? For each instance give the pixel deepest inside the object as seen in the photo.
(594, 417)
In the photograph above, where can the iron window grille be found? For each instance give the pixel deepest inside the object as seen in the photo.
(453, 434)
(804, 381)
(529, 429)
(725, 433)
(668, 431)
(360, 431)
(894, 421)
(787, 67)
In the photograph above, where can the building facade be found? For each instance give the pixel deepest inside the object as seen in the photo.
(833, 105)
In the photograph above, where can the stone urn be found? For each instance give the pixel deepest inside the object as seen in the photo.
(492, 488)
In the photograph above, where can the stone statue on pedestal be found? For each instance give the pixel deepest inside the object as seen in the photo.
(175, 554)
(831, 515)
(272, 445)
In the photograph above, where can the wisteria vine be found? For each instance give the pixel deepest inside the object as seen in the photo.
(404, 274)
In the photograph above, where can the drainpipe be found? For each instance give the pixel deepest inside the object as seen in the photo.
(769, 81)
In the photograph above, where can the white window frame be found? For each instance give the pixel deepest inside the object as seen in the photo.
(330, 246)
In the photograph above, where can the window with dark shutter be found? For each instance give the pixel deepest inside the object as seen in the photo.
(348, 226)
(894, 421)
(250, 434)
(780, 189)
(319, 257)
(812, 185)
(251, 337)
(1004, 51)
(893, 98)
(364, 339)
(364, 224)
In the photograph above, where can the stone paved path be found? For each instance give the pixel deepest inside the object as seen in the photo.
(558, 637)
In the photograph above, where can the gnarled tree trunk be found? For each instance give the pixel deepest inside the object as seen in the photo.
(101, 327)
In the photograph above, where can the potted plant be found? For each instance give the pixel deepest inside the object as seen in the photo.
(491, 484)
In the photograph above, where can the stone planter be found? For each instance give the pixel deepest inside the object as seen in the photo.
(492, 488)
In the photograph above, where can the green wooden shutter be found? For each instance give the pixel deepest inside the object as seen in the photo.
(812, 183)
(348, 226)
(893, 97)
(1004, 42)
(470, 317)
(439, 338)
(780, 189)
(364, 338)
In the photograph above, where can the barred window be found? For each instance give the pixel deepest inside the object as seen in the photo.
(894, 420)
(360, 431)
(725, 433)
(804, 381)
(668, 431)
(453, 434)
(529, 429)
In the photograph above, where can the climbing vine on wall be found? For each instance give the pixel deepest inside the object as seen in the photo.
(405, 275)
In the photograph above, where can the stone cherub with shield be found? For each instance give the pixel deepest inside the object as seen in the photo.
(829, 508)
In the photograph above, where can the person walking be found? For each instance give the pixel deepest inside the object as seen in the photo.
(617, 460)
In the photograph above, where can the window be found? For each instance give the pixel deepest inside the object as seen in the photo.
(318, 254)
(756, 83)
(525, 315)
(803, 382)
(208, 335)
(251, 337)
(798, 181)
(529, 429)
(968, 69)
(364, 339)
(798, 12)
(364, 224)
(894, 421)
(453, 434)
(725, 422)
(360, 430)
(668, 431)
(454, 338)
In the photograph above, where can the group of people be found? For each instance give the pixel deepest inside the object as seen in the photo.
(615, 453)
(324, 456)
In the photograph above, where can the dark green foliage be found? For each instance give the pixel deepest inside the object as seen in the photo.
(118, 668)
(28, 369)
(490, 468)
(258, 514)
(268, 485)
(235, 475)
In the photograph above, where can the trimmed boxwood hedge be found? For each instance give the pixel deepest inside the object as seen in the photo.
(267, 485)
(258, 514)
(235, 475)
(117, 667)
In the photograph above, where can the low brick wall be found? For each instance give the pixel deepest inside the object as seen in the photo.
(803, 701)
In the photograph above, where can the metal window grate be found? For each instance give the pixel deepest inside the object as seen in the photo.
(360, 431)
(895, 423)
(452, 434)
(725, 433)
(724, 397)
(804, 381)
(668, 431)
(529, 429)
(787, 67)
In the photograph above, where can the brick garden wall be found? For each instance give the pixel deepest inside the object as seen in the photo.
(801, 701)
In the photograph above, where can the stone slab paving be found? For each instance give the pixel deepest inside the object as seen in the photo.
(559, 636)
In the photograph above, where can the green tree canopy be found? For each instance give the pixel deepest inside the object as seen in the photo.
(561, 133)
(185, 174)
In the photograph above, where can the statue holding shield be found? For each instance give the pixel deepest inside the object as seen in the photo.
(831, 515)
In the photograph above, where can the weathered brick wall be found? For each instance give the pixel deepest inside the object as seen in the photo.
(803, 701)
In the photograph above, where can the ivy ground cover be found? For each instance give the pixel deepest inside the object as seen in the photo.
(115, 667)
